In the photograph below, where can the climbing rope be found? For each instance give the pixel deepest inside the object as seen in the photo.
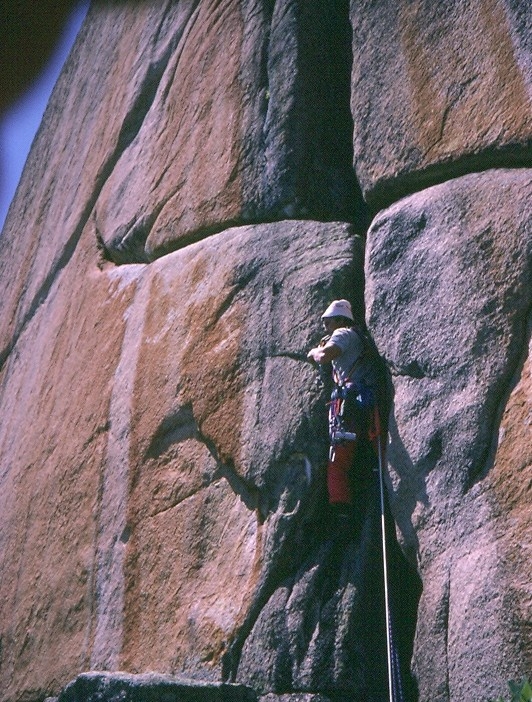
(395, 687)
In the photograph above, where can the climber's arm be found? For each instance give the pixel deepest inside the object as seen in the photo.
(324, 354)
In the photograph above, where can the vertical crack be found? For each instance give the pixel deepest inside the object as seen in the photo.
(309, 145)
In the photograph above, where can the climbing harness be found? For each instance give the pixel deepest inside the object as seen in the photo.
(338, 432)
(346, 393)
(395, 687)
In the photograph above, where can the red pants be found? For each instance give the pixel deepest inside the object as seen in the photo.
(339, 473)
(363, 421)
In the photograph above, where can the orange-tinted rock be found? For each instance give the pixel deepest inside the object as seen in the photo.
(174, 122)
(241, 115)
(439, 89)
(158, 419)
(153, 416)
(78, 143)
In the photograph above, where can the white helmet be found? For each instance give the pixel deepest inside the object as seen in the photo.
(339, 308)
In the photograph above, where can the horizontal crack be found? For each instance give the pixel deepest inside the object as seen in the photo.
(389, 190)
(413, 369)
(293, 355)
(182, 500)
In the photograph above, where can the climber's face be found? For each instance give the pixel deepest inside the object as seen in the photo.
(332, 323)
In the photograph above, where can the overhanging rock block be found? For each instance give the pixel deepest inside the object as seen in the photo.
(439, 89)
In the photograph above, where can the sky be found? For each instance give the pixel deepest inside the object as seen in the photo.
(20, 123)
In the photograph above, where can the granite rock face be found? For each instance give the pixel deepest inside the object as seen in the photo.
(166, 145)
(449, 300)
(166, 427)
(150, 687)
(260, 92)
(439, 89)
(189, 207)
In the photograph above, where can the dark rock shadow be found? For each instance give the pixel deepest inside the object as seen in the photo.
(320, 626)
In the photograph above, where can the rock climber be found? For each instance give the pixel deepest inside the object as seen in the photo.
(345, 347)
